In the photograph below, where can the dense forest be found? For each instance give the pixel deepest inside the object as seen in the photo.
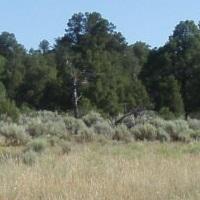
(93, 66)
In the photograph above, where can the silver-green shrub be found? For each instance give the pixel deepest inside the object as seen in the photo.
(178, 130)
(121, 133)
(37, 145)
(162, 135)
(85, 135)
(195, 134)
(14, 134)
(103, 128)
(144, 131)
(93, 118)
(194, 124)
(158, 122)
(29, 158)
(35, 127)
(74, 125)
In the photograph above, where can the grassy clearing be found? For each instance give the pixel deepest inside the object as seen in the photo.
(110, 171)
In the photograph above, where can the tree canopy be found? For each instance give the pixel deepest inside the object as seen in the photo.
(112, 76)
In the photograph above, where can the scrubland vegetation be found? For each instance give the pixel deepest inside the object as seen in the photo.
(46, 155)
(40, 128)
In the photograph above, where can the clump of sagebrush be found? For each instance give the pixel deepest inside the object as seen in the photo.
(77, 129)
(178, 130)
(46, 116)
(93, 118)
(121, 133)
(162, 135)
(195, 134)
(85, 135)
(98, 124)
(36, 128)
(56, 128)
(144, 131)
(74, 125)
(194, 124)
(145, 117)
(65, 147)
(37, 145)
(104, 128)
(29, 158)
(158, 122)
(14, 134)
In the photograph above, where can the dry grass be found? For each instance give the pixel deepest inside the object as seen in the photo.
(111, 172)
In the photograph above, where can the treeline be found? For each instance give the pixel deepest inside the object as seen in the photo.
(109, 75)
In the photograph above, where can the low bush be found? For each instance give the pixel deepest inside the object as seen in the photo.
(121, 133)
(195, 135)
(103, 128)
(158, 122)
(74, 125)
(14, 134)
(29, 158)
(194, 124)
(55, 129)
(37, 145)
(36, 128)
(144, 132)
(178, 130)
(162, 135)
(93, 118)
(65, 147)
(85, 135)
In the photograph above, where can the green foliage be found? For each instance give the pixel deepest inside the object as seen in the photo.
(9, 108)
(112, 76)
(85, 135)
(44, 46)
(195, 135)
(74, 125)
(162, 135)
(144, 132)
(166, 113)
(65, 147)
(39, 130)
(170, 96)
(37, 145)
(100, 55)
(122, 133)
(129, 121)
(14, 134)
(178, 59)
(44, 124)
(29, 158)
(51, 128)
(178, 130)
(92, 118)
(103, 128)
(194, 124)
(2, 91)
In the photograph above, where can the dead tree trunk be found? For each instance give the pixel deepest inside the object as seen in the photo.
(75, 97)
